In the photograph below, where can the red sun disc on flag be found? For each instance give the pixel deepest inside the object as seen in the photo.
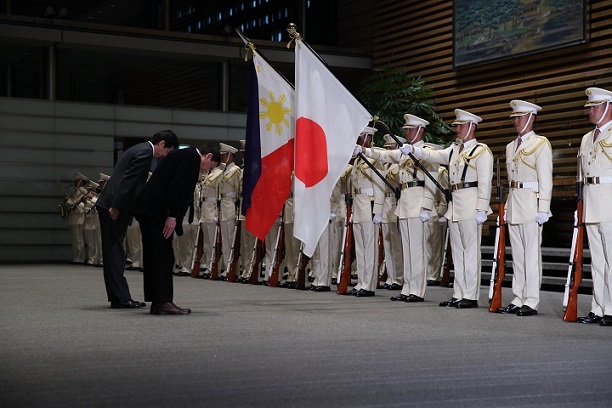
(310, 151)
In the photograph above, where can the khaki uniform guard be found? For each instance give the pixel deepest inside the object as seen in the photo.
(529, 165)
(76, 218)
(338, 220)
(209, 194)
(435, 230)
(230, 189)
(470, 172)
(292, 244)
(596, 161)
(368, 193)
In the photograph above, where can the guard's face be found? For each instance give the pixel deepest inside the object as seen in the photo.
(461, 130)
(519, 122)
(595, 112)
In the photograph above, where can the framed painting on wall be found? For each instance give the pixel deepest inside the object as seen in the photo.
(493, 30)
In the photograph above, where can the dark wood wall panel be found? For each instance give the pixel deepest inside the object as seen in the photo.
(418, 35)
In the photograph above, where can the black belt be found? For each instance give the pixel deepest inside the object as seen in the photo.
(466, 184)
(415, 183)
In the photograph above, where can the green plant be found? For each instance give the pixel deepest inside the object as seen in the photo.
(392, 92)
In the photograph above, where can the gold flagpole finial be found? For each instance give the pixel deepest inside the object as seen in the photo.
(293, 34)
(247, 44)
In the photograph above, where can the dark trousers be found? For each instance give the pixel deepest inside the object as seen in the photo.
(158, 260)
(113, 255)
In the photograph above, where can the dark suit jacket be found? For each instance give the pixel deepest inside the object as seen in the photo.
(169, 191)
(128, 179)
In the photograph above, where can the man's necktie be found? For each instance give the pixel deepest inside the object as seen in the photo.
(460, 148)
(518, 143)
(596, 134)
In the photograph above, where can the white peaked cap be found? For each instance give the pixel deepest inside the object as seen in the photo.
(242, 145)
(390, 141)
(368, 130)
(104, 176)
(597, 96)
(520, 108)
(78, 175)
(465, 117)
(413, 121)
(225, 148)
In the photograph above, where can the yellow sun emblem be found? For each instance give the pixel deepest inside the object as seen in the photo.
(275, 112)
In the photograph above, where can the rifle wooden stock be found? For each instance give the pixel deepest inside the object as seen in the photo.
(571, 311)
(234, 257)
(446, 259)
(344, 275)
(216, 255)
(301, 274)
(256, 264)
(498, 271)
(499, 263)
(197, 256)
(277, 257)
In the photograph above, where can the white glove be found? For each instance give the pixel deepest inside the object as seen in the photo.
(442, 219)
(481, 216)
(541, 217)
(332, 216)
(377, 219)
(425, 215)
(356, 150)
(406, 148)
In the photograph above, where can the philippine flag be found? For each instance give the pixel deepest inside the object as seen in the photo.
(329, 120)
(269, 147)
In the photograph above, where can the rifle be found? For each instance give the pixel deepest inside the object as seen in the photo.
(301, 274)
(234, 256)
(380, 259)
(216, 254)
(344, 266)
(256, 262)
(447, 257)
(575, 267)
(498, 270)
(197, 255)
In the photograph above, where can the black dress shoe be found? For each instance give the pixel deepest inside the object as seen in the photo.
(399, 298)
(450, 303)
(395, 286)
(352, 284)
(414, 299)
(590, 318)
(353, 292)
(364, 293)
(606, 320)
(510, 309)
(433, 283)
(127, 304)
(526, 311)
(321, 289)
(386, 286)
(168, 309)
(334, 281)
(466, 304)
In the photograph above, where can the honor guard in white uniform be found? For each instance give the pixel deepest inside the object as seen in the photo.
(209, 214)
(368, 195)
(413, 208)
(435, 232)
(229, 195)
(470, 172)
(529, 165)
(596, 162)
(392, 239)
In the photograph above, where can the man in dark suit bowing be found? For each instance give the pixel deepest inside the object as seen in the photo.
(117, 200)
(165, 200)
